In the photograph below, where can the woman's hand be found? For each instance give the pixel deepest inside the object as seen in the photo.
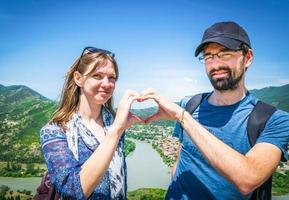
(124, 118)
(167, 109)
(93, 170)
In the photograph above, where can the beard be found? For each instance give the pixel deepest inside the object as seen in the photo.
(226, 83)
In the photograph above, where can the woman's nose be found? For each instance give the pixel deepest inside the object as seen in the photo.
(105, 82)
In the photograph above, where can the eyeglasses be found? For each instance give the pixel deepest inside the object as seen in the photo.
(224, 55)
(95, 50)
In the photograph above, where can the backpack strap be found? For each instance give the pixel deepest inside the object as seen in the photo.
(194, 102)
(264, 192)
(191, 105)
(256, 124)
(258, 119)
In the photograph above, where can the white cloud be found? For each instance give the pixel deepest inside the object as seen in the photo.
(174, 83)
(188, 79)
(283, 81)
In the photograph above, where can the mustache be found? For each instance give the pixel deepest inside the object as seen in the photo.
(223, 68)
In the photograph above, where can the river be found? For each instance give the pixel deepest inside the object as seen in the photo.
(145, 170)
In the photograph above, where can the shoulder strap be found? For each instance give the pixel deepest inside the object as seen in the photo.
(258, 119)
(191, 105)
(194, 102)
(256, 124)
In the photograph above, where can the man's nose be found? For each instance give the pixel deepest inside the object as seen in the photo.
(216, 62)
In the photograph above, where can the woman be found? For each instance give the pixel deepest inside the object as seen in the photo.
(83, 145)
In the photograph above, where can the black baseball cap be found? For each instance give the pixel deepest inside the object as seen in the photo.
(228, 34)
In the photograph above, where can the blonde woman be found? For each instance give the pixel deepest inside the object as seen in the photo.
(83, 145)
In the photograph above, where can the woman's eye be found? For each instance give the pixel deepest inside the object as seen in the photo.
(97, 76)
(112, 78)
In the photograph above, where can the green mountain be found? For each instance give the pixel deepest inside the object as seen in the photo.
(23, 112)
(276, 96)
(144, 113)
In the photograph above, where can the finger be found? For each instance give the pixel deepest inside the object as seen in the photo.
(131, 99)
(132, 119)
(152, 118)
(147, 96)
(136, 118)
(140, 99)
(149, 91)
(128, 93)
(128, 98)
(155, 98)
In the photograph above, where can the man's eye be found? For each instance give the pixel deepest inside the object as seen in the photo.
(208, 57)
(225, 54)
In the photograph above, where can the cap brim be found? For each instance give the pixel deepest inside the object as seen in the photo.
(226, 42)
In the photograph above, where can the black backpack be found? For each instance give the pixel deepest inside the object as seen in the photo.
(256, 123)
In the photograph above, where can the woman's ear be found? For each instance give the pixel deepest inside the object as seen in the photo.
(78, 79)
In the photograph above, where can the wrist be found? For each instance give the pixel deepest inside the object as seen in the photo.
(180, 116)
(117, 130)
(181, 120)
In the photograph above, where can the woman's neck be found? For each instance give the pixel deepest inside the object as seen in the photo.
(88, 110)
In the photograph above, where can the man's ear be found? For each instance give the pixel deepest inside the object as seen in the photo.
(78, 79)
(248, 58)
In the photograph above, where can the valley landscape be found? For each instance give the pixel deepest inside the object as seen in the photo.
(24, 111)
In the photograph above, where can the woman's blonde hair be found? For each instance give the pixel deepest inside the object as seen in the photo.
(70, 94)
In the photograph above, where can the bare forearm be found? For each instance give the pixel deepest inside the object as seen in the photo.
(95, 167)
(245, 171)
(239, 169)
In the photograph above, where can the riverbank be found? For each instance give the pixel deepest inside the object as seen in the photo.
(145, 168)
(16, 169)
(22, 187)
(161, 140)
(129, 146)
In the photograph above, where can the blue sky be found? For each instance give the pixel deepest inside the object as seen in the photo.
(154, 41)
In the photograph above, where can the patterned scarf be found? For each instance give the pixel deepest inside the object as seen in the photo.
(76, 128)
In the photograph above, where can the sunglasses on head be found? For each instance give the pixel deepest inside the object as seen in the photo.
(95, 50)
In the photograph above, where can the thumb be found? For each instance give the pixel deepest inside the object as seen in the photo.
(152, 118)
(132, 119)
(136, 118)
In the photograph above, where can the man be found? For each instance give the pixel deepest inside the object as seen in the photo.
(215, 158)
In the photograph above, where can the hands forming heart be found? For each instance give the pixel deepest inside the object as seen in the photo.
(167, 109)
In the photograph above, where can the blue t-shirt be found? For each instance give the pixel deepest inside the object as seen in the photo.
(195, 178)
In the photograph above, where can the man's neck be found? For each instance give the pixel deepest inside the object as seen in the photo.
(227, 97)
